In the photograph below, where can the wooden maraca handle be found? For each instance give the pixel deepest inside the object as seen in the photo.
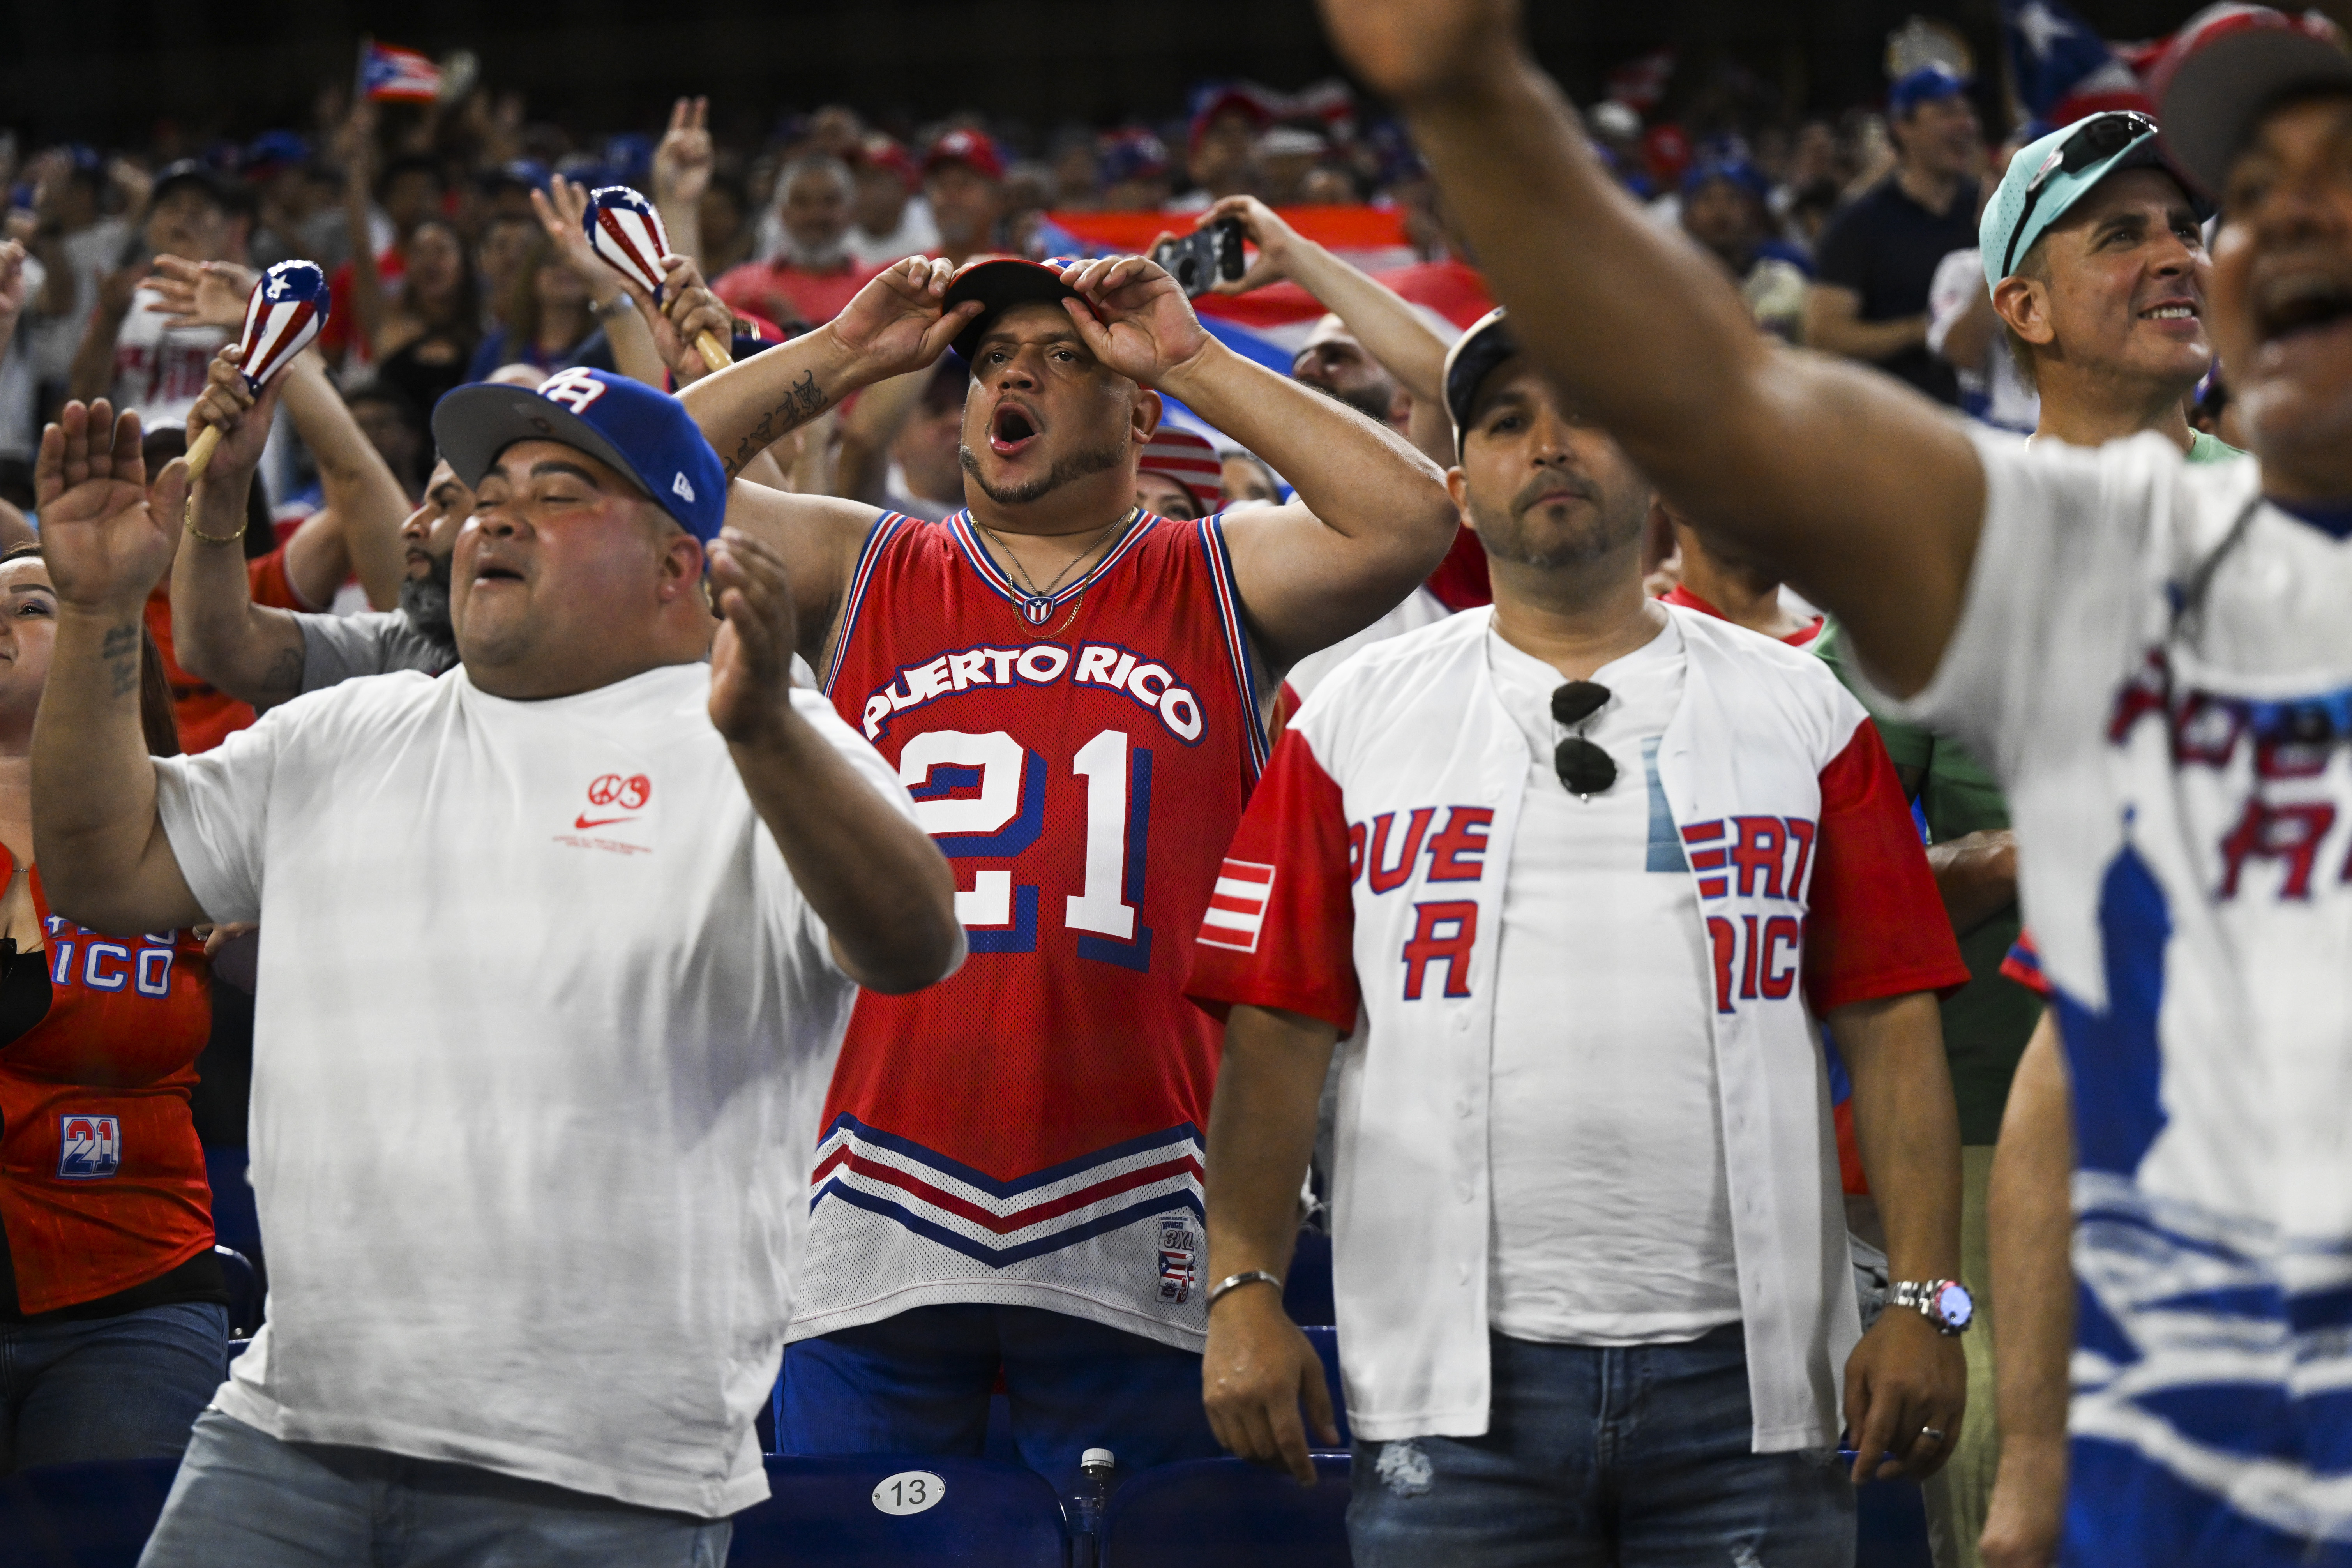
(714, 352)
(201, 453)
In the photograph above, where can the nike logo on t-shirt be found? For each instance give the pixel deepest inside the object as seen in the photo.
(583, 820)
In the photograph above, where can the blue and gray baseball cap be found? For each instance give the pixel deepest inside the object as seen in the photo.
(2048, 176)
(645, 434)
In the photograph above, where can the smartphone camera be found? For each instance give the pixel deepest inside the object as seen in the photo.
(1199, 259)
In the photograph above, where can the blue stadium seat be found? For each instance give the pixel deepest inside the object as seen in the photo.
(1890, 1526)
(824, 1515)
(1231, 1513)
(1307, 1293)
(244, 1293)
(82, 1516)
(1326, 1341)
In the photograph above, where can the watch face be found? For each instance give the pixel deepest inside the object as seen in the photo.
(1954, 1305)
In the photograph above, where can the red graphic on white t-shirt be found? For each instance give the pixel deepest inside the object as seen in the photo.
(610, 789)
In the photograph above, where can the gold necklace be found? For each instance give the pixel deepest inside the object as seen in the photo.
(1037, 604)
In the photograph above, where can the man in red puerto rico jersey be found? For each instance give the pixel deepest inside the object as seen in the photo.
(1007, 1173)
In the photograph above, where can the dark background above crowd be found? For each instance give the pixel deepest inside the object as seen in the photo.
(111, 70)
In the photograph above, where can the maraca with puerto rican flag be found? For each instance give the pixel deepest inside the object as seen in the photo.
(284, 312)
(627, 234)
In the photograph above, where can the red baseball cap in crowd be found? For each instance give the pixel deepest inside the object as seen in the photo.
(880, 152)
(1216, 100)
(1192, 462)
(2226, 69)
(974, 150)
(998, 281)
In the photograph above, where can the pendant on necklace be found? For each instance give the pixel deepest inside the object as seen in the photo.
(1036, 609)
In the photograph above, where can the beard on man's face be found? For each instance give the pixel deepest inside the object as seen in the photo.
(1066, 469)
(425, 602)
(1610, 522)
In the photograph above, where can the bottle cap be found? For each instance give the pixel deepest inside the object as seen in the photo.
(1093, 1457)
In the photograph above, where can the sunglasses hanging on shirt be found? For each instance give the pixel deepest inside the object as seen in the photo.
(1584, 768)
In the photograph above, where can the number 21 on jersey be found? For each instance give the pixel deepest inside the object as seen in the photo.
(998, 810)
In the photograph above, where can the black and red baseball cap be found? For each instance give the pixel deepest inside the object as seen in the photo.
(2229, 66)
(998, 281)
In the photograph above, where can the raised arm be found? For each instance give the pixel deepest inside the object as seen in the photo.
(1372, 517)
(12, 289)
(253, 652)
(104, 858)
(561, 209)
(882, 888)
(1863, 492)
(682, 173)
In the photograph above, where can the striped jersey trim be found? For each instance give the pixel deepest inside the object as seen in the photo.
(1003, 1222)
(886, 527)
(986, 565)
(1237, 651)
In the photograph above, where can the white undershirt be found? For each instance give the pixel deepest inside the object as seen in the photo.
(1613, 1216)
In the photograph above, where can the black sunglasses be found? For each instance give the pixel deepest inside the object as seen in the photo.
(1583, 766)
(2098, 138)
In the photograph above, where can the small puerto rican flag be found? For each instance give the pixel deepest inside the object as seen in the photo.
(1237, 907)
(398, 76)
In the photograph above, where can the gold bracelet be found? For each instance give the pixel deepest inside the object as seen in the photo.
(188, 522)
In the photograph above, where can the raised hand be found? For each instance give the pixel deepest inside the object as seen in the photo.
(1262, 227)
(896, 323)
(682, 161)
(751, 659)
(106, 545)
(1415, 51)
(12, 289)
(242, 418)
(201, 293)
(562, 208)
(1134, 317)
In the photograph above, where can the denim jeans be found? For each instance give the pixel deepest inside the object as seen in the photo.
(246, 1499)
(918, 1384)
(125, 1387)
(1636, 1456)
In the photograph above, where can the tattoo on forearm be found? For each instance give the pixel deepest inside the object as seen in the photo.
(284, 680)
(802, 404)
(120, 652)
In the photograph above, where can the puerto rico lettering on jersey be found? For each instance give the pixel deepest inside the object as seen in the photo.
(1149, 682)
(1028, 1131)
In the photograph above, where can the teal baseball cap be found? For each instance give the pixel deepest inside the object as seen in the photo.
(2048, 176)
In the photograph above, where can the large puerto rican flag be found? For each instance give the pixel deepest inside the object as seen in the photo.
(1270, 324)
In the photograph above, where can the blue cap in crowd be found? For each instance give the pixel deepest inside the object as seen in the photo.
(645, 434)
(1741, 174)
(272, 151)
(1924, 84)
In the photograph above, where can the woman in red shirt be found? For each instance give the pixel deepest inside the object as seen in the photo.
(113, 1318)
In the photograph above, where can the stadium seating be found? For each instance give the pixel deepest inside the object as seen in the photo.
(1327, 1345)
(1229, 1513)
(1890, 1526)
(82, 1516)
(1306, 1292)
(828, 1513)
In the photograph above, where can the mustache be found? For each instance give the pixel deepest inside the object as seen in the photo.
(1558, 482)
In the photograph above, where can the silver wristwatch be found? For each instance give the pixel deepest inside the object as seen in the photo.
(1943, 1302)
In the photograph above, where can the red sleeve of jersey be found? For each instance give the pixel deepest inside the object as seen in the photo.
(267, 579)
(1281, 926)
(2024, 964)
(1877, 926)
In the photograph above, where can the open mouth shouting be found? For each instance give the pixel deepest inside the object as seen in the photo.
(1013, 429)
(2299, 303)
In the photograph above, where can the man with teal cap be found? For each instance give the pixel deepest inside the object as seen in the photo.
(2095, 251)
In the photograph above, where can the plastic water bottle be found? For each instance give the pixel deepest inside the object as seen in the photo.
(1087, 1510)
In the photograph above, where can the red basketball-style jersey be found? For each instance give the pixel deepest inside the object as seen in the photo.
(1029, 1131)
(103, 1182)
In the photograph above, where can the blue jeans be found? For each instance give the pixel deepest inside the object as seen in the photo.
(918, 1384)
(246, 1499)
(125, 1387)
(1637, 1456)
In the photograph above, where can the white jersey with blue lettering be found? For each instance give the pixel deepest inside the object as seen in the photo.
(2158, 665)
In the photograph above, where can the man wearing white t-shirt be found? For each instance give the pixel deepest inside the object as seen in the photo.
(1574, 876)
(2154, 657)
(559, 952)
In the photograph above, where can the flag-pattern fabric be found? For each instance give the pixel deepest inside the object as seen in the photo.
(388, 75)
(627, 233)
(282, 314)
(2063, 69)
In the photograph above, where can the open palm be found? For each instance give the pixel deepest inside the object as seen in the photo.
(105, 543)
